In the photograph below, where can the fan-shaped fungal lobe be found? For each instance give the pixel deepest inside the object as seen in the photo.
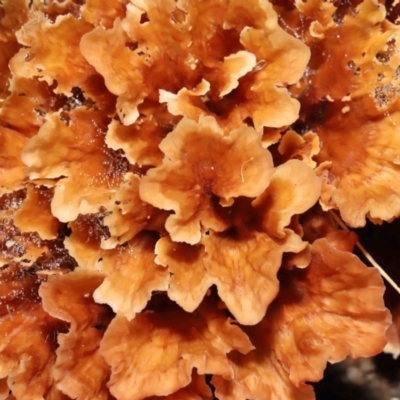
(204, 169)
(304, 325)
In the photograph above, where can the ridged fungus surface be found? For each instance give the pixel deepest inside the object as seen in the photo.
(161, 165)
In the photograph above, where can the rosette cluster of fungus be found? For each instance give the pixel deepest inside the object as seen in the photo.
(161, 165)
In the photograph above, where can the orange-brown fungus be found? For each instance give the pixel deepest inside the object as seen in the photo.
(17, 246)
(37, 202)
(160, 165)
(243, 266)
(294, 188)
(128, 214)
(70, 145)
(32, 99)
(393, 334)
(203, 170)
(161, 346)
(79, 371)
(139, 141)
(196, 390)
(173, 46)
(50, 52)
(301, 147)
(131, 276)
(12, 170)
(104, 14)
(29, 336)
(349, 98)
(13, 14)
(303, 327)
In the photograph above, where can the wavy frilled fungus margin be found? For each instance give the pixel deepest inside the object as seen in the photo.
(164, 344)
(159, 161)
(79, 371)
(301, 330)
(204, 169)
(349, 98)
(176, 46)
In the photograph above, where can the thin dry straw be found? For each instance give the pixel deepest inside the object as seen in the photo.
(366, 254)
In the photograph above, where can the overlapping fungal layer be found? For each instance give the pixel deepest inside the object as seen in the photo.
(349, 97)
(154, 223)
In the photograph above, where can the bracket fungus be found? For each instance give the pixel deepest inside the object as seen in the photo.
(161, 162)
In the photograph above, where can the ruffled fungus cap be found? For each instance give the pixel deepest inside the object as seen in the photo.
(205, 168)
